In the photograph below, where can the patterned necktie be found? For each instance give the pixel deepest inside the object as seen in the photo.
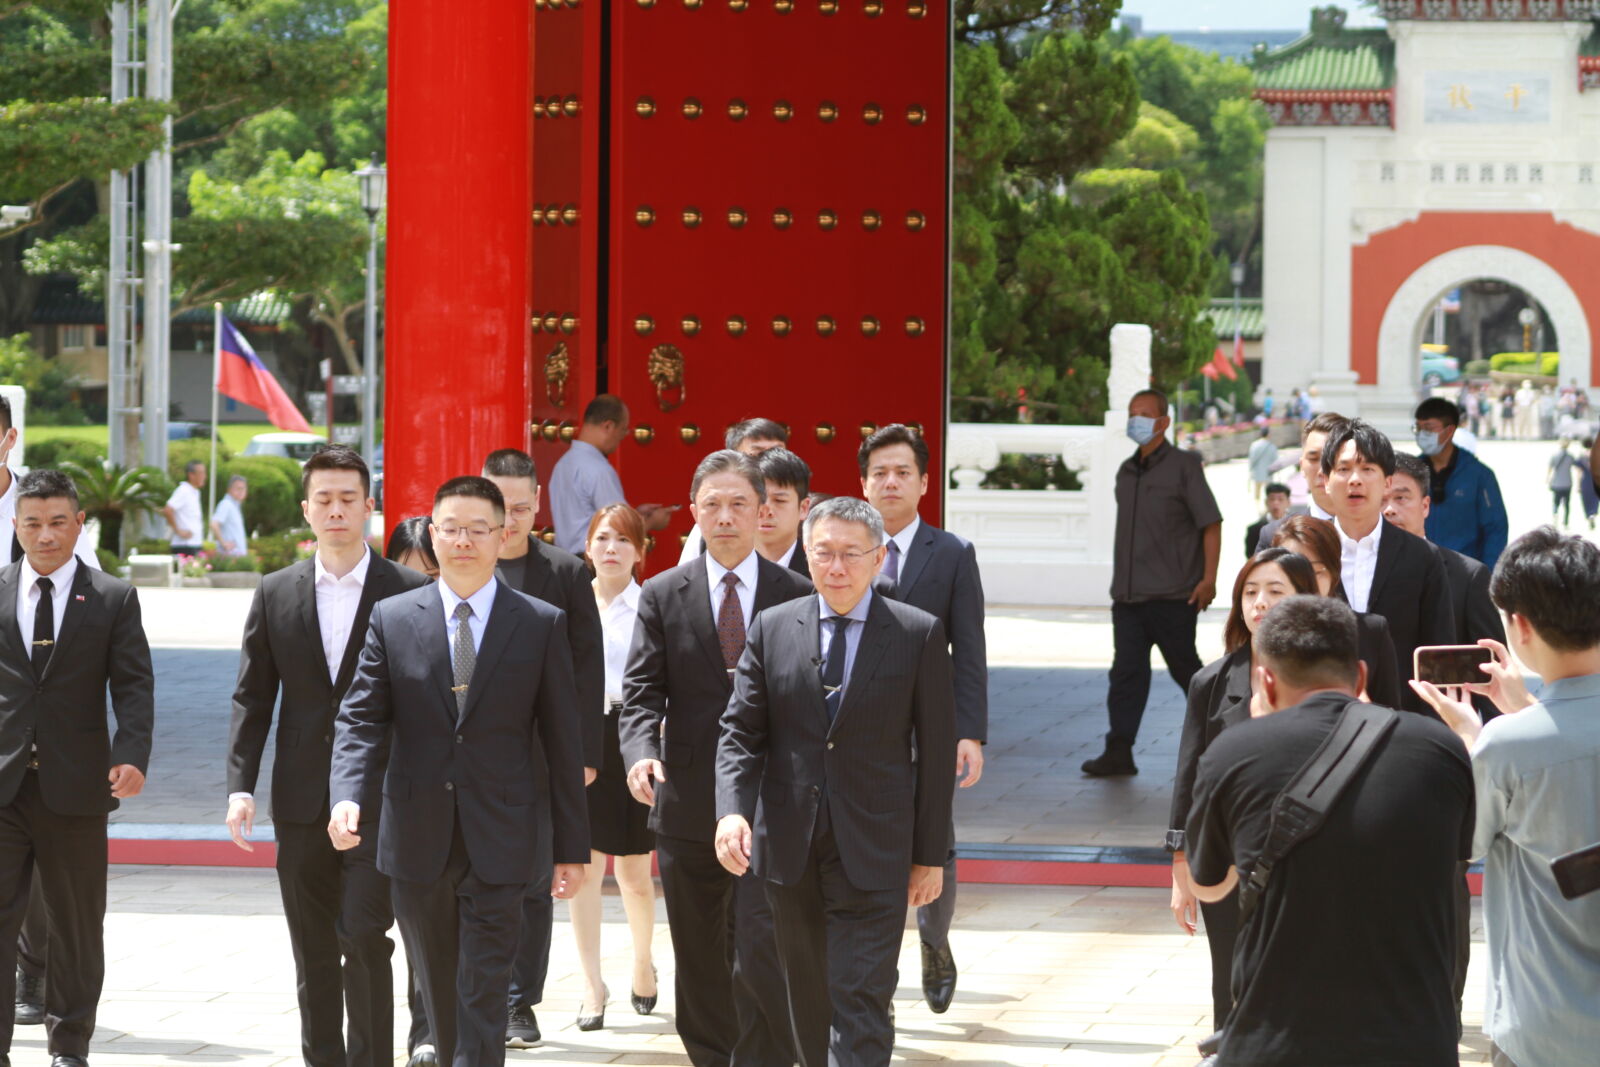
(891, 562)
(730, 622)
(44, 626)
(833, 666)
(465, 656)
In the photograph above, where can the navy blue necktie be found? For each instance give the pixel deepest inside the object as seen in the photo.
(833, 666)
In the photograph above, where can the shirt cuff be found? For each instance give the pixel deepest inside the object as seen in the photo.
(239, 796)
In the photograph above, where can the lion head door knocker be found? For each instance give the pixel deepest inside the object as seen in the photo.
(556, 366)
(665, 367)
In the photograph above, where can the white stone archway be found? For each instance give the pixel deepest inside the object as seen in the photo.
(1400, 335)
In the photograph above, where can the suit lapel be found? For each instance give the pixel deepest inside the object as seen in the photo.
(697, 605)
(306, 594)
(1236, 688)
(807, 626)
(72, 616)
(374, 589)
(874, 640)
(766, 590)
(503, 618)
(433, 641)
(536, 573)
(8, 607)
(1391, 544)
(912, 567)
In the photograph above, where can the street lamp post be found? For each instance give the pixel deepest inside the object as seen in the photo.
(373, 181)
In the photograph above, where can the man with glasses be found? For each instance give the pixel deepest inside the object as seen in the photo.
(460, 686)
(687, 642)
(1468, 514)
(560, 579)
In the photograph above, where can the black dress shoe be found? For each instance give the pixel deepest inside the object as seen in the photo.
(522, 1029)
(68, 1061)
(646, 1005)
(938, 977)
(30, 1000)
(423, 1056)
(1115, 761)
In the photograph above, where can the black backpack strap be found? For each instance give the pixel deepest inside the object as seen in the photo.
(1300, 810)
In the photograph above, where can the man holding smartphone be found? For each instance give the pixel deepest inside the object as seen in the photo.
(1537, 776)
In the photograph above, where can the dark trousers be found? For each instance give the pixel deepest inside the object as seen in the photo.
(338, 910)
(69, 853)
(1561, 504)
(1463, 902)
(460, 933)
(840, 947)
(723, 945)
(33, 938)
(531, 963)
(1135, 629)
(1222, 933)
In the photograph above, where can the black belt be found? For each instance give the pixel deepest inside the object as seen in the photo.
(616, 706)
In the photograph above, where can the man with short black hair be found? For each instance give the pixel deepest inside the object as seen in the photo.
(583, 481)
(1277, 509)
(1468, 514)
(755, 436)
(1163, 572)
(68, 635)
(184, 512)
(1313, 436)
(1384, 570)
(561, 580)
(1347, 954)
(1537, 774)
(788, 499)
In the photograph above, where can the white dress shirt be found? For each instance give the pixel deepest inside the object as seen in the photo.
(28, 597)
(337, 601)
(8, 515)
(1358, 561)
(746, 572)
(616, 628)
(905, 539)
(185, 505)
(482, 601)
(1316, 511)
(852, 634)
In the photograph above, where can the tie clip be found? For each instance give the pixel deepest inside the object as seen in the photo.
(826, 688)
(458, 689)
(46, 641)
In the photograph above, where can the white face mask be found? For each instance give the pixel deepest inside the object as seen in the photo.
(1428, 443)
(1141, 429)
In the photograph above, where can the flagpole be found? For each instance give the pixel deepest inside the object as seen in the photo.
(216, 392)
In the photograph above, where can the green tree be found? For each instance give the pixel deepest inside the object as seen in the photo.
(114, 494)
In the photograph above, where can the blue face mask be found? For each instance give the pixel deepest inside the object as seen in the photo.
(1141, 429)
(1428, 443)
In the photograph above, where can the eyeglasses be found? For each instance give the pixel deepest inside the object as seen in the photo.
(825, 556)
(521, 511)
(476, 533)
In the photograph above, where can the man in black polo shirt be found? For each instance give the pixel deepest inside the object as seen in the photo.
(1164, 572)
(1348, 956)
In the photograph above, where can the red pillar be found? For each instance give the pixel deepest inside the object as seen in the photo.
(460, 198)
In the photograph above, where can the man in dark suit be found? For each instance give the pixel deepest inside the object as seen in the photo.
(936, 571)
(67, 634)
(788, 481)
(1383, 569)
(834, 695)
(1277, 495)
(301, 640)
(461, 684)
(690, 633)
(561, 580)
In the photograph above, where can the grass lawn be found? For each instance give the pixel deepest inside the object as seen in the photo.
(234, 435)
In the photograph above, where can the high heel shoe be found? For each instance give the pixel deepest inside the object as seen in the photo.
(598, 1020)
(646, 1005)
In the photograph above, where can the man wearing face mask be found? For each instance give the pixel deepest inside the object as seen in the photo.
(1164, 573)
(1468, 514)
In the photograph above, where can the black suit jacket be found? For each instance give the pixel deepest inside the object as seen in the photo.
(282, 652)
(798, 562)
(563, 580)
(487, 766)
(940, 576)
(1475, 613)
(676, 689)
(101, 644)
(1411, 592)
(884, 762)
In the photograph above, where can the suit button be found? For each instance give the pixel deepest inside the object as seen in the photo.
(815, 791)
(459, 739)
(327, 739)
(830, 746)
(448, 786)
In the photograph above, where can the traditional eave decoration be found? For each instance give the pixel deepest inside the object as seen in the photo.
(1489, 10)
(1328, 107)
(1589, 72)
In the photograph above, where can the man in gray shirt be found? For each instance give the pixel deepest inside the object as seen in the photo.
(583, 481)
(1537, 776)
(1164, 572)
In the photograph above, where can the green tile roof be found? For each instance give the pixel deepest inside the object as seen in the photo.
(1251, 319)
(1349, 59)
(60, 303)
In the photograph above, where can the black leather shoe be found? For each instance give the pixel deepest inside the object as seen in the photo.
(68, 1061)
(423, 1056)
(1115, 761)
(646, 1005)
(938, 977)
(30, 1000)
(522, 1029)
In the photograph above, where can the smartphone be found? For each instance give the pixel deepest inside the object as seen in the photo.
(1451, 664)
(1577, 873)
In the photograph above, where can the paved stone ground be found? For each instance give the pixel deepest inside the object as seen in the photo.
(199, 972)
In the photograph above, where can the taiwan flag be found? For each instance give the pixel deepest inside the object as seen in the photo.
(242, 376)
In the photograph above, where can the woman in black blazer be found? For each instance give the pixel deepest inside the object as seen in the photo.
(1318, 541)
(1219, 697)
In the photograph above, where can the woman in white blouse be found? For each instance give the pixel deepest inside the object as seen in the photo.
(618, 824)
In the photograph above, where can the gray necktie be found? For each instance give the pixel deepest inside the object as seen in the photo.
(465, 657)
(891, 562)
